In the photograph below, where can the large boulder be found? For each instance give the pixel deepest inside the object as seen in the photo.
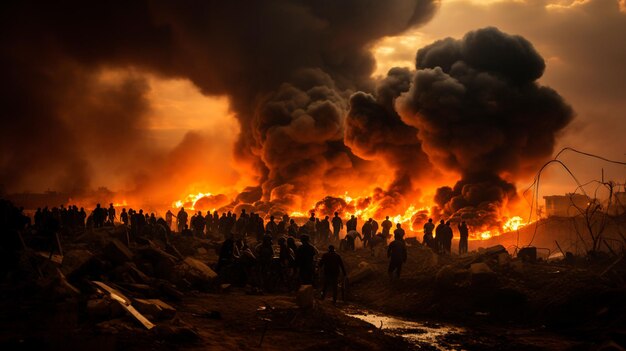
(79, 263)
(161, 262)
(155, 307)
(449, 276)
(481, 274)
(305, 297)
(117, 252)
(194, 272)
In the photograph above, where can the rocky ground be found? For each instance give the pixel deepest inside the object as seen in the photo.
(568, 304)
(86, 300)
(81, 302)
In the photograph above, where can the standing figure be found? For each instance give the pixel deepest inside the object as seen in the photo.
(447, 242)
(428, 233)
(399, 232)
(111, 213)
(324, 229)
(439, 236)
(332, 264)
(366, 230)
(337, 226)
(464, 233)
(181, 220)
(397, 256)
(386, 228)
(124, 217)
(351, 238)
(305, 256)
(168, 218)
(351, 224)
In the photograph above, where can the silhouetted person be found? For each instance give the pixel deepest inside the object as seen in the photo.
(351, 238)
(98, 216)
(439, 235)
(282, 226)
(153, 219)
(197, 224)
(181, 219)
(286, 255)
(141, 221)
(226, 256)
(428, 233)
(366, 230)
(124, 217)
(291, 243)
(324, 229)
(265, 254)
(305, 256)
(271, 228)
(351, 224)
(337, 226)
(374, 227)
(310, 228)
(332, 264)
(169, 216)
(386, 228)
(399, 232)
(447, 239)
(82, 216)
(464, 235)
(293, 228)
(111, 213)
(397, 256)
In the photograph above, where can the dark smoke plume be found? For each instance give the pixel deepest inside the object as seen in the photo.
(286, 66)
(374, 131)
(480, 112)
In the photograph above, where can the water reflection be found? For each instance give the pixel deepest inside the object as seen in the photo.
(422, 334)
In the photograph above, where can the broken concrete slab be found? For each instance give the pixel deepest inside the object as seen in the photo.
(360, 274)
(482, 274)
(199, 271)
(74, 260)
(155, 307)
(162, 263)
(125, 303)
(117, 252)
(527, 254)
(493, 250)
(305, 297)
(504, 258)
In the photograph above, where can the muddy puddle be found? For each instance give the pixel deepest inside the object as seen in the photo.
(422, 335)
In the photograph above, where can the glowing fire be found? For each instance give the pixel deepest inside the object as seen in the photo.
(190, 199)
(512, 224)
(373, 210)
(120, 204)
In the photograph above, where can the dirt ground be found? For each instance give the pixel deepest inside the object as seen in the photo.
(541, 305)
(509, 305)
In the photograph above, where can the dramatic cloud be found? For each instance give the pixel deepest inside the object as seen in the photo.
(286, 66)
(481, 113)
(581, 44)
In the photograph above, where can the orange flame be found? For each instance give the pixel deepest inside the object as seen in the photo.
(371, 210)
(189, 199)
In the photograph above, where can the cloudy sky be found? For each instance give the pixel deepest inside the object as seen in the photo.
(584, 45)
(151, 97)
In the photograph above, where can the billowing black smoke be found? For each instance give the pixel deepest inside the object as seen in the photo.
(480, 112)
(374, 131)
(287, 67)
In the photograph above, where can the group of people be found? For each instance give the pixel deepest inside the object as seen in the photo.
(441, 241)
(285, 251)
